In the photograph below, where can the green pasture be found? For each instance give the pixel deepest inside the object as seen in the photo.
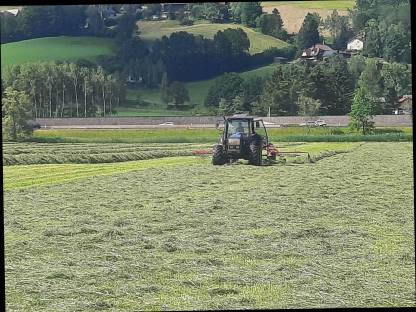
(55, 48)
(182, 234)
(200, 135)
(341, 5)
(151, 30)
(197, 90)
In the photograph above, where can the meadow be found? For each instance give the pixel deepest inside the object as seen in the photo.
(178, 233)
(151, 30)
(197, 90)
(210, 135)
(55, 48)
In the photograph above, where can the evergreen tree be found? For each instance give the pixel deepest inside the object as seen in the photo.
(308, 34)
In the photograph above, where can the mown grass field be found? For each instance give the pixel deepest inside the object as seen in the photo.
(179, 233)
(197, 90)
(209, 135)
(342, 5)
(294, 12)
(151, 30)
(55, 48)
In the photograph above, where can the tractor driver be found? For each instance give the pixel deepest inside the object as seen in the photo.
(240, 127)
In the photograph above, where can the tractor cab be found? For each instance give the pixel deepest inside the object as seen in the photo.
(243, 137)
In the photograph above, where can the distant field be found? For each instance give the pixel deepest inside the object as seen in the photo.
(183, 135)
(313, 4)
(197, 93)
(293, 12)
(151, 30)
(55, 48)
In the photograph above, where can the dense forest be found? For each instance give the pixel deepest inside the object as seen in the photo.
(96, 89)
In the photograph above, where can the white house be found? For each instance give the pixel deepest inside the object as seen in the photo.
(355, 45)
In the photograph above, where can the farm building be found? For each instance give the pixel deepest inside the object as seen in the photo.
(355, 45)
(405, 105)
(317, 52)
(279, 60)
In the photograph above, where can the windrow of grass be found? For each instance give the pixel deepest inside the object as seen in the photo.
(55, 153)
(85, 153)
(181, 135)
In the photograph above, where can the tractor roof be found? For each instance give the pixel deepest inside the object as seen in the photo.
(239, 116)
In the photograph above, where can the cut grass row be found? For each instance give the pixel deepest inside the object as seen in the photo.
(38, 153)
(52, 153)
(177, 135)
(338, 233)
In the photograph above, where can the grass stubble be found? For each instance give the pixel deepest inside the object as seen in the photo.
(335, 233)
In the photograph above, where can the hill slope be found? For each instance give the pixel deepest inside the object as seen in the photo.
(197, 93)
(151, 30)
(55, 48)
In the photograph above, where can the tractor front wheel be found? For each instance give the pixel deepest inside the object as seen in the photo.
(218, 155)
(255, 154)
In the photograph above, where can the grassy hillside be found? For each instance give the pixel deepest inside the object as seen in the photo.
(293, 12)
(55, 48)
(197, 93)
(151, 30)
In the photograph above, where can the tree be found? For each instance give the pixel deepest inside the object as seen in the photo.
(272, 24)
(362, 111)
(372, 43)
(164, 88)
(307, 106)
(397, 81)
(339, 29)
(177, 93)
(15, 114)
(396, 47)
(308, 34)
(250, 12)
(227, 86)
(126, 27)
(372, 82)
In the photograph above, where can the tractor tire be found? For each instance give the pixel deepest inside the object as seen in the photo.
(218, 155)
(255, 154)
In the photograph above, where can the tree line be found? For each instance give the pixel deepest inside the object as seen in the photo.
(293, 89)
(65, 89)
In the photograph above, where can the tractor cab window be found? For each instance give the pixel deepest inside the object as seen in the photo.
(259, 128)
(238, 126)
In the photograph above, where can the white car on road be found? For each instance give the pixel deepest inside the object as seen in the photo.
(168, 123)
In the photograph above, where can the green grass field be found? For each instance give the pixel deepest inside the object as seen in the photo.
(151, 30)
(179, 233)
(314, 4)
(183, 135)
(198, 90)
(55, 48)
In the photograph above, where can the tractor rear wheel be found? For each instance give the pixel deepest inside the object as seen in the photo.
(255, 154)
(218, 155)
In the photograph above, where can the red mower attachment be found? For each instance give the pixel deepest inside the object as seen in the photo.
(272, 151)
(203, 152)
